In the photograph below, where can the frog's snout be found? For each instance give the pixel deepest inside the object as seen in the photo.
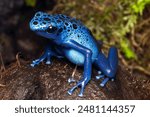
(39, 22)
(33, 25)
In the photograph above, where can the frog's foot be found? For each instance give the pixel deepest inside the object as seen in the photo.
(80, 83)
(71, 80)
(46, 55)
(105, 80)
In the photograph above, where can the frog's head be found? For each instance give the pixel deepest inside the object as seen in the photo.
(44, 25)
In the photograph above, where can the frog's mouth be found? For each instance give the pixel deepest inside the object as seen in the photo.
(46, 35)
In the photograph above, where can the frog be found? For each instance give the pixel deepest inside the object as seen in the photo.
(69, 38)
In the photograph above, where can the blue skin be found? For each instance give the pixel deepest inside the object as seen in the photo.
(71, 39)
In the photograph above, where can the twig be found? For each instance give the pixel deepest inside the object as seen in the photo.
(144, 37)
(2, 62)
(1, 85)
(1, 72)
(95, 5)
(122, 59)
(134, 43)
(71, 79)
(74, 71)
(17, 58)
(140, 69)
(145, 22)
(65, 65)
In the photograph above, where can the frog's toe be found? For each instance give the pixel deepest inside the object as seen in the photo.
(99, 77)
(48, 62)
(81, 91)
(99, 72)
(71, 91)
(71, 80)
(32, 65)
(112, 79)
(80, 94)
(35, 62)
(103, 83)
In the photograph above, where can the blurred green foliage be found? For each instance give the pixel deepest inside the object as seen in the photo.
(112, 21)
(139, 6)
(126, 49)
(30, 3)
(135, 8)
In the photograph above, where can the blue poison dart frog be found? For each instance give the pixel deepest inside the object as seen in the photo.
(71, 39)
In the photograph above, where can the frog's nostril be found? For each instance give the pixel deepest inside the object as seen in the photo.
(35, 22)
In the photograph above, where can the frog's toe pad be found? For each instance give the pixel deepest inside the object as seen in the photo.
(103, 83)
(112, 79)
(99, 77)
(34, 63)
(99, 72)
(70, 92)
(71, 80)
(48, 62)
(80, 95)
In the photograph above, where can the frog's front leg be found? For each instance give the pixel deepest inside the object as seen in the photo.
(46, 56)
(87, 65)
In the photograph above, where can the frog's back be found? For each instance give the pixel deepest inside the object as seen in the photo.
(73, 29)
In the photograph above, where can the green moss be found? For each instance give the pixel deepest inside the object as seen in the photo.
(139, 6)
(126, 49)
(30, 3)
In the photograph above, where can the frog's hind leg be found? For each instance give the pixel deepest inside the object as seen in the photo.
(107, 66)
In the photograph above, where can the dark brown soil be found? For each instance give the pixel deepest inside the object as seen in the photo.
(50, 82)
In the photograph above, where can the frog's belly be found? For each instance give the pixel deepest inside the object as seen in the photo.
(75, 56)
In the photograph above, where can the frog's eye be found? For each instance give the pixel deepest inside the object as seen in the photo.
(51, 29)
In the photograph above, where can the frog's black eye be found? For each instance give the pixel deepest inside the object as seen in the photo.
(51, 29)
